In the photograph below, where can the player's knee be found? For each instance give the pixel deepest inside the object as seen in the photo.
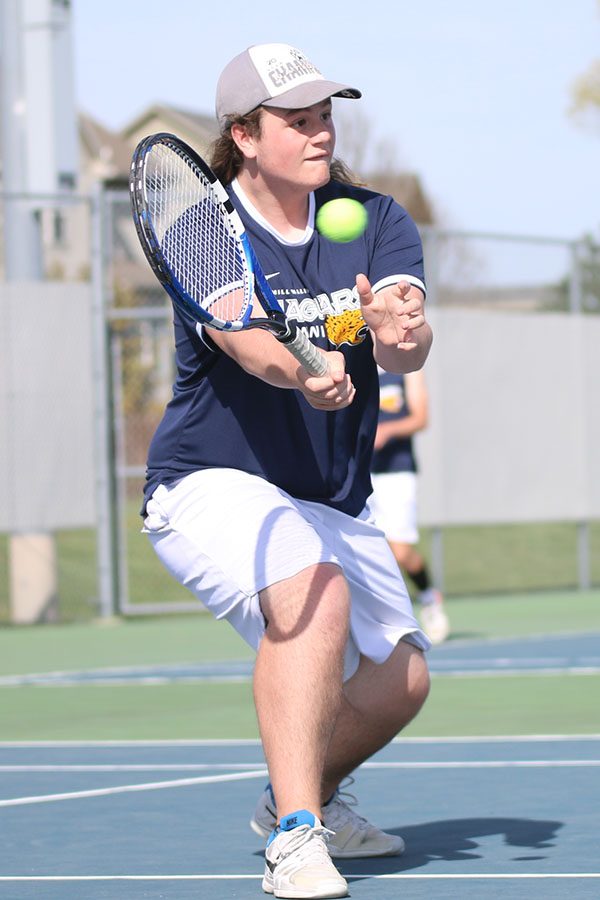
(419, 684)
(412, 687)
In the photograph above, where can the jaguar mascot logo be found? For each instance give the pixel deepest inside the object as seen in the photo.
(346, 328)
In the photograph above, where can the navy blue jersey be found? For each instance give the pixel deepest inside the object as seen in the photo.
(397, 454)
(222, 416)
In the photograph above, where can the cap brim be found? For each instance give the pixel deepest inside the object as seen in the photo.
(305, 95)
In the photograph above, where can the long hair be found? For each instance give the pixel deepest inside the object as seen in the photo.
(226, 159)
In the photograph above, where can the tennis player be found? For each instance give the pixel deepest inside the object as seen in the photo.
(259, 474)
(403, 413)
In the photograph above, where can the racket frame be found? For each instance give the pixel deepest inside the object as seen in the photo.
(286, 331)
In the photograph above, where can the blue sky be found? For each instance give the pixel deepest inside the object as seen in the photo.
(472, 96)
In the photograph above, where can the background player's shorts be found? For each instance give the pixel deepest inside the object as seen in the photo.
(393, 504)
(226, 535)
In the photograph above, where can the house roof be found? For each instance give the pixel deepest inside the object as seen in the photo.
(204, 126)
(111, 152)
(106, 147)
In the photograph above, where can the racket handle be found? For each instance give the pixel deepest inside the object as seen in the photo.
(305, 352)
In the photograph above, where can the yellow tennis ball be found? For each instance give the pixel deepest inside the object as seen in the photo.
(342, 220)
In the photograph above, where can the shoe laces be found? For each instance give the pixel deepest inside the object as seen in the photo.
(303, 838)
(339, 811)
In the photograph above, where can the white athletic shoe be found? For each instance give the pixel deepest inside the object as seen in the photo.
(298, 865)
(433, 617)
(353, 836)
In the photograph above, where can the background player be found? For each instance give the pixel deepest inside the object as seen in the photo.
(404, 411)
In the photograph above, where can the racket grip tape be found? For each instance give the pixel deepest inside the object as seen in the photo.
(304, 351)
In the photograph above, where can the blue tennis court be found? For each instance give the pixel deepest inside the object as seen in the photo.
(480, 817)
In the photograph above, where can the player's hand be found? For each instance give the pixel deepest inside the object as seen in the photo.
(332, 391)
(390, 314)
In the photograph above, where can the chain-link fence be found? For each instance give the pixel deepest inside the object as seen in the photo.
(107, 566)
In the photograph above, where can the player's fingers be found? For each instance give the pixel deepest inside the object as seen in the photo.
(413, 306)
(341, 391)
(363, 286)
(338, 401)
(411, 321)
(337, 366)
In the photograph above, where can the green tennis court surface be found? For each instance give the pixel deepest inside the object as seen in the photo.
(524, 664)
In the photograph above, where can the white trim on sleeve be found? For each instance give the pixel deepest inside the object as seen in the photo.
(395, 279)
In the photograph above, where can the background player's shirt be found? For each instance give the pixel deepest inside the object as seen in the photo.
(221, 416)
(397, 454)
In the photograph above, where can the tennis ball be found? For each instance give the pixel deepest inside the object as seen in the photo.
(342, 220)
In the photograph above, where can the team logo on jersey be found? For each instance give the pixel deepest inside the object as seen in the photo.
(348, 327)
(391, 398)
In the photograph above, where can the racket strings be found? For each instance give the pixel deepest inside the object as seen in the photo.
(195, 235)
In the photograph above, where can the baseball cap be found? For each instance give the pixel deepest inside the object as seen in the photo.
(273, 75)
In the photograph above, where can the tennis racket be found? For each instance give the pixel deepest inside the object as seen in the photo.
(198, 249)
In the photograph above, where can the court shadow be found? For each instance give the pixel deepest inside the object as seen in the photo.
(457, 839)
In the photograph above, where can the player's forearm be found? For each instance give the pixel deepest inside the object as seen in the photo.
(261, 355)
(403, 428)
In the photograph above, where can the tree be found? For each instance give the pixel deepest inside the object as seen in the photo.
(585, 101)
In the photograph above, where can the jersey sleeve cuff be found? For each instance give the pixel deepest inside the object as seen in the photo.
(395, 279)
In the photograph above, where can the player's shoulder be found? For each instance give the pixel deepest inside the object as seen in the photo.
(335, 189)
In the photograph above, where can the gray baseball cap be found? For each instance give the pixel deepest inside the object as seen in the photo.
(273, 75)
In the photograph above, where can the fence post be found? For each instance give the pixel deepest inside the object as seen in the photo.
(575, 287)
(431, 246)
(105, 503)
(437, 558)
(584, 578)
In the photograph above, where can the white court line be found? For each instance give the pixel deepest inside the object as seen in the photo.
(485, 764)
(194, 767)
(16, 681)
(126, 767)
(255, 742)
(129, 788)
(514, 671)
(257, 773)
(404, 876)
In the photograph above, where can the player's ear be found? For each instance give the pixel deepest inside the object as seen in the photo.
(243, 140)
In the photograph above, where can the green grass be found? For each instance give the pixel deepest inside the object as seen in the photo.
(478, 560)
(482, 559)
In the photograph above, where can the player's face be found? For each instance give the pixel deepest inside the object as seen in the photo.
(296, 146)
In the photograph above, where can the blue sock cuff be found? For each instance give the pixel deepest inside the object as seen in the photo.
(295, 819)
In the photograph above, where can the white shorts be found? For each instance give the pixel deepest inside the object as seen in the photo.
(226, 535)
(393, 504)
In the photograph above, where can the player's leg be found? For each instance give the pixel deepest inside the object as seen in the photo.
(231, 539)
(386, 680)
(379, 700)
(298, 681)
